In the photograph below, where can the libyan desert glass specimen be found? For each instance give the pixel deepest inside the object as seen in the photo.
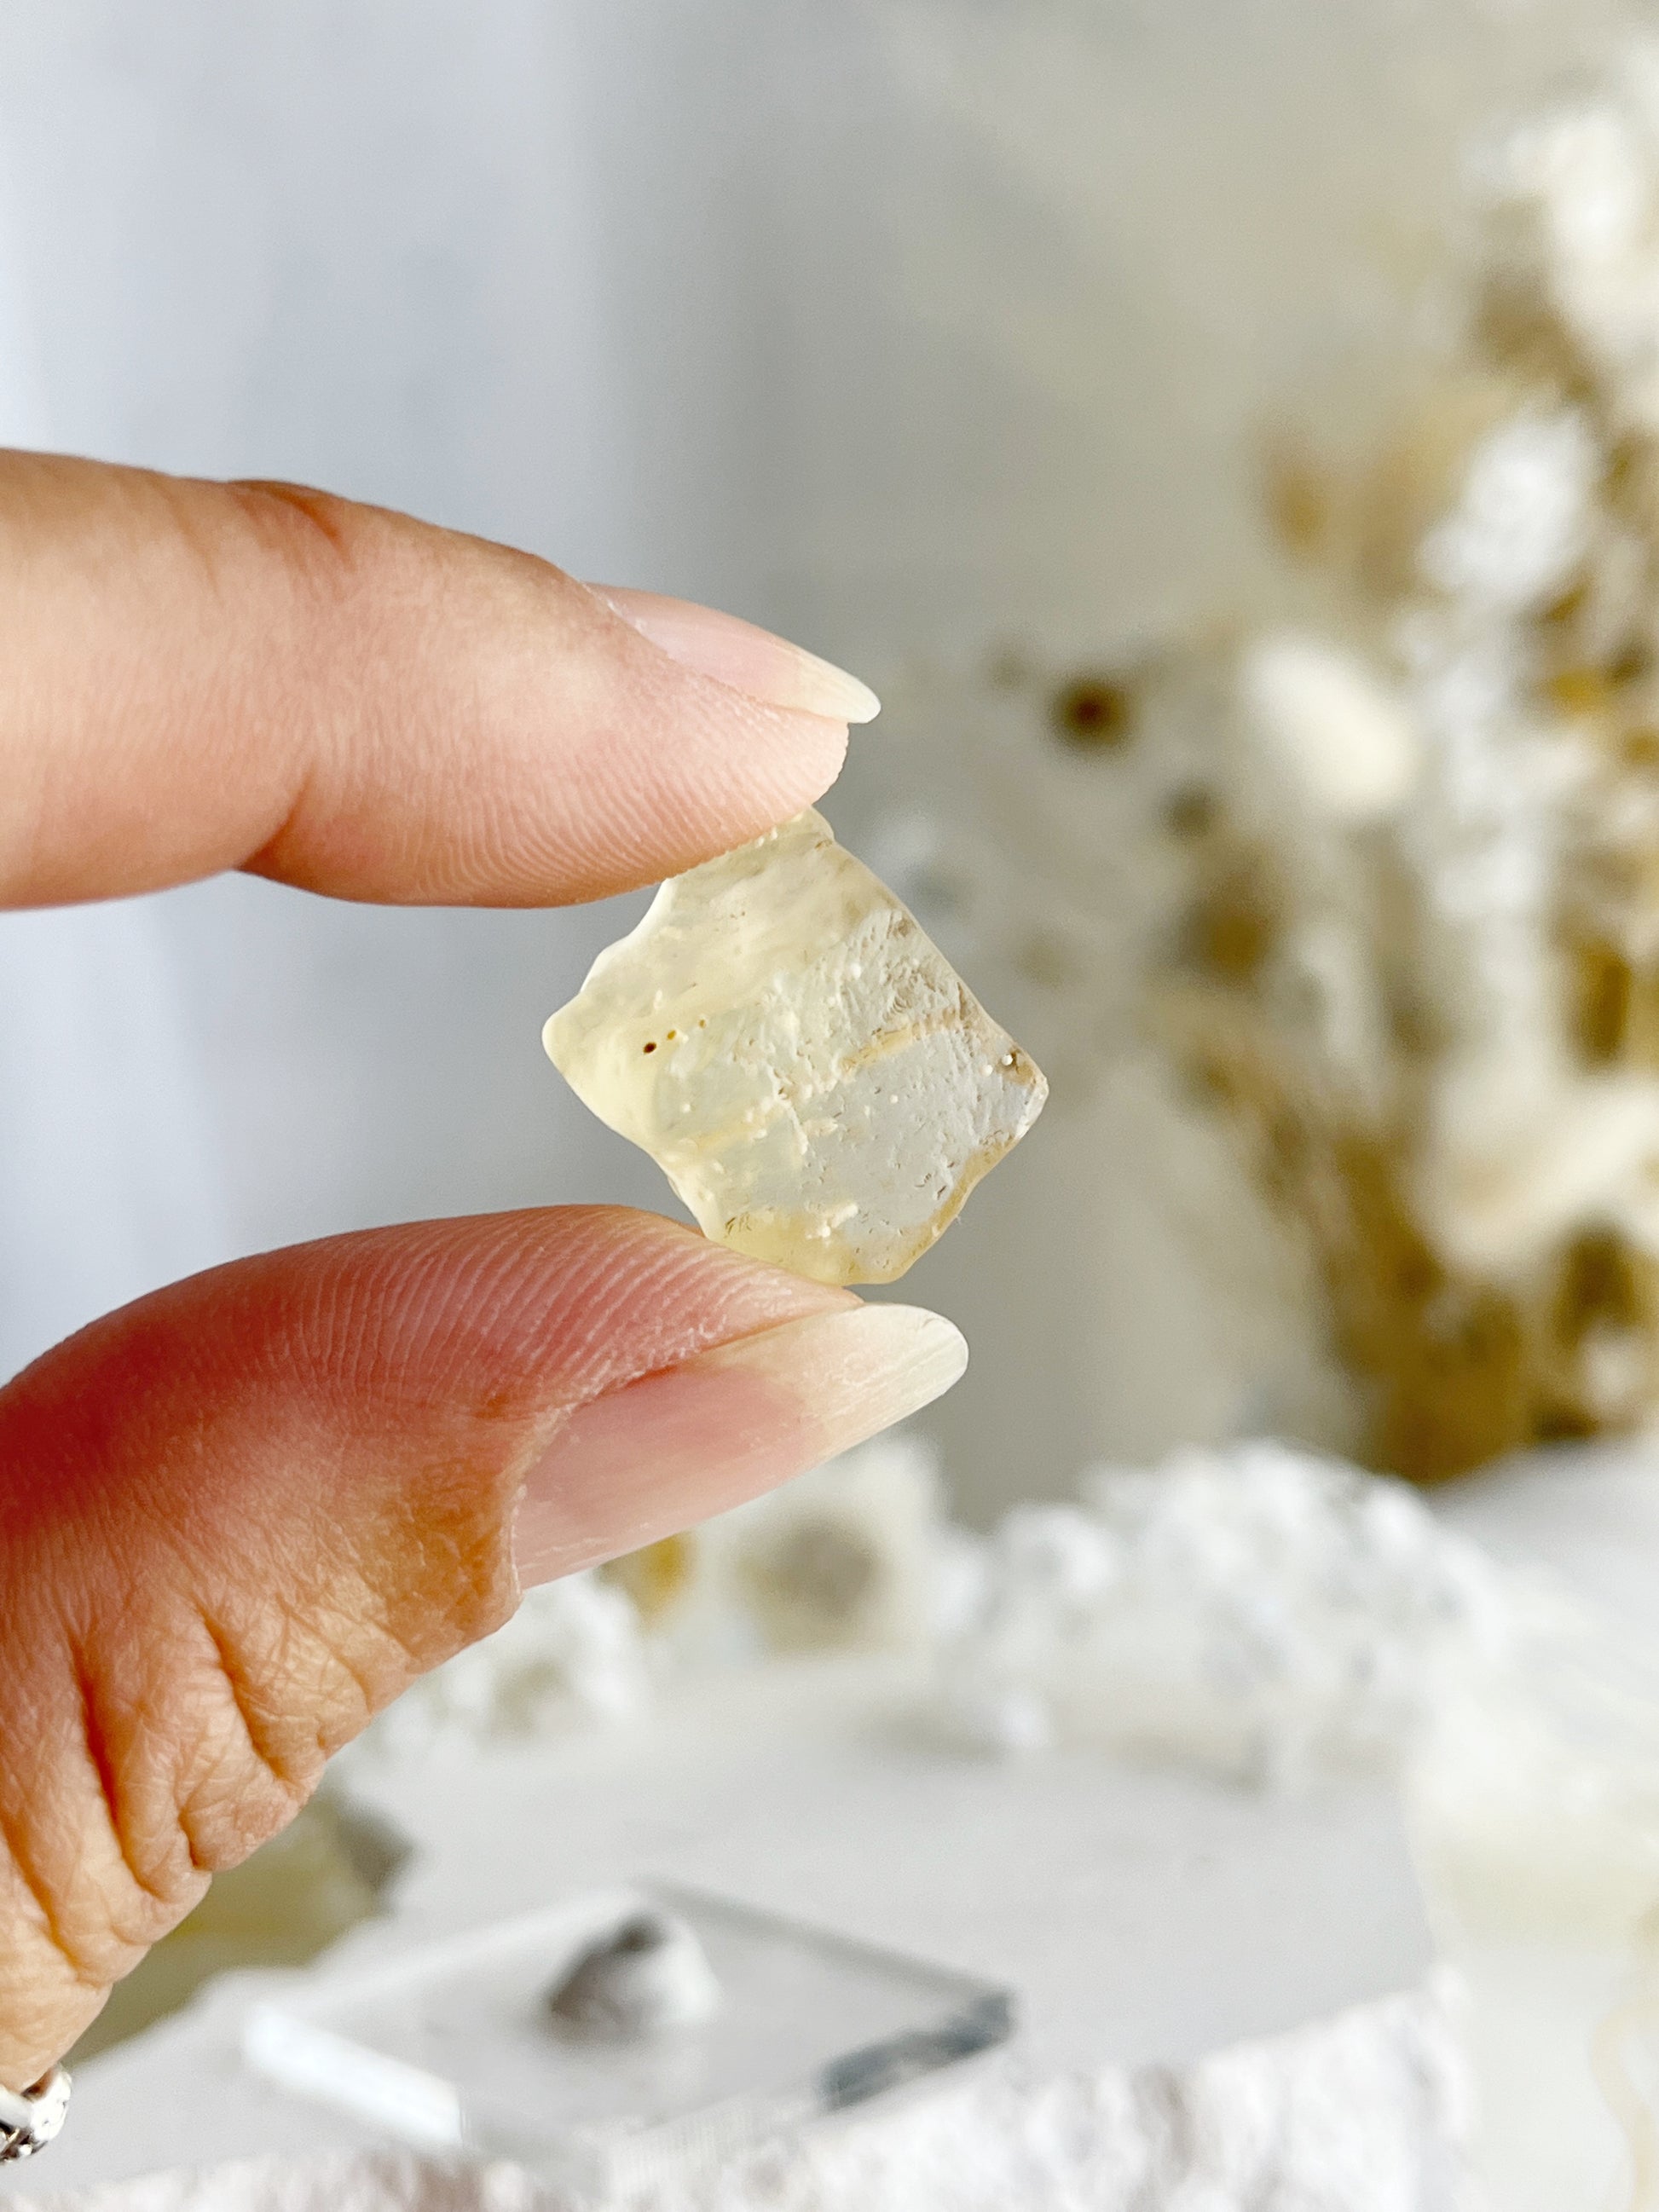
(814, 1079)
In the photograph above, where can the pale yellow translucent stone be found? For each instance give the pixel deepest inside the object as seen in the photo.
(814, 1079)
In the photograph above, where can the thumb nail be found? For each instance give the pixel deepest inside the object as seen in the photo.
(747, 658)
(671, 1448)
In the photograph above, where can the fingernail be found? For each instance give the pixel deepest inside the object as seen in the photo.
(674, 1448)
(747, 658)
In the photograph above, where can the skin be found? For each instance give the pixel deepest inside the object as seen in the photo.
(240, 1516)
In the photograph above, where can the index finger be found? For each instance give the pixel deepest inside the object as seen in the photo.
(196, 676)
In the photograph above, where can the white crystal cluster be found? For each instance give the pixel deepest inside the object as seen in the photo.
(1260, 1614)
(855, 1555)
(574, 1653)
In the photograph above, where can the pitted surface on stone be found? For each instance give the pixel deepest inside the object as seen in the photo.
(818, 1085)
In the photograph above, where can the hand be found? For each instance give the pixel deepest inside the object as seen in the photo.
(239, 1517)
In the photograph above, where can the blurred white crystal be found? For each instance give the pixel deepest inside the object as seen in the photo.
(846, 1556)
(1262, 1613)
(573, 1652)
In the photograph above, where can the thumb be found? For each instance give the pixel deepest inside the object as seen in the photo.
(244, 1514)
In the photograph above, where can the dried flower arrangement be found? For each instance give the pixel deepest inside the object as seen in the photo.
(1374, 876)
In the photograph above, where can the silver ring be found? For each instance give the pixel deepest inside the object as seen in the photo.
(29, 2118)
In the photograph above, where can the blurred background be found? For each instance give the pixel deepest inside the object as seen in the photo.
(1224, 432)
(938, 334)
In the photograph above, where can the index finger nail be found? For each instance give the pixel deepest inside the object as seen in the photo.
(749, 659)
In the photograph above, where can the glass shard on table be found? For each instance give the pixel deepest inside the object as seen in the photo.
(454, 2048)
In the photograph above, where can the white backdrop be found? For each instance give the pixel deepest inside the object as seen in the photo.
(910, 326)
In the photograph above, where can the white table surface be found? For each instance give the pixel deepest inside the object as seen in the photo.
(1141, 1918)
